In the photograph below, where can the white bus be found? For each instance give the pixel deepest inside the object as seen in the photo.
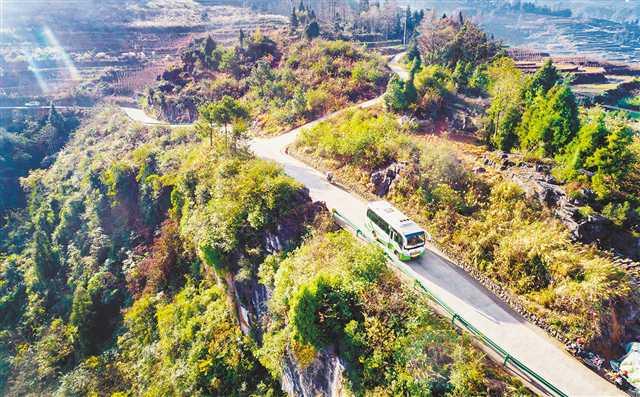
(395, 230)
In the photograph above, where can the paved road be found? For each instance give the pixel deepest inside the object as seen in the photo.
(463, 294)
(398, 69)
(140, 116)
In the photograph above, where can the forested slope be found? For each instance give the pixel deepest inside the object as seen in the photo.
(282, 80)
(150, 262)
(499, 214)
(27, 143)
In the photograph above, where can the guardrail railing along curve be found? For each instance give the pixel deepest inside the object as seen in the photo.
(457, 320)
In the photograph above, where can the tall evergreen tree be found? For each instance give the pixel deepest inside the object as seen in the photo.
(395, 98)
(542, 81)
(550, 122)
(410, 92)
(312, 30)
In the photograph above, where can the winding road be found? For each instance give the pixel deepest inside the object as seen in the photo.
(450, 283)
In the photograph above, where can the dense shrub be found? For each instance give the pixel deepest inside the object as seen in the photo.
(194, 347)
(365, 138)
(570, 285)
(283, 82)
(228, 205)
(316, 78)
(335, 292)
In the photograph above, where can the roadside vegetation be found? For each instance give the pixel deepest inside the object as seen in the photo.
(283, 82)
(334, 293)
(141, 248)
(486, 223)
(593, 149)
(485, 220)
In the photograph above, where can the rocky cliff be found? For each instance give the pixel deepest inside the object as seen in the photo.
(323, 377)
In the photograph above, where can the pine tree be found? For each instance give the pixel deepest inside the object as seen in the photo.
(410, 92)
(241, 38)
(312, 30)
(542, 81)
(550, 122)
(395, 98)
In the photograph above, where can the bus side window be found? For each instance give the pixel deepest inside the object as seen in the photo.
(383, 224)
(398, 238)
(370, 215)
(378, 221)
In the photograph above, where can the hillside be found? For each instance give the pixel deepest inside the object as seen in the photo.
(284, 81)
(139, 255)
(208, 259)
(524, 224)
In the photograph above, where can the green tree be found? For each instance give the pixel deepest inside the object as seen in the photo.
(312, 30)
(395, 97)
(44, 255)
(82, 314)
(462, 74)
(224, 114)
(410, 92)
(592, 134)
(504, 136)
(479, 79)
(12, 293)
(542, 81)
(614, 160)
(54, 118)
(262, 76)
(503, 116)
(550, 122)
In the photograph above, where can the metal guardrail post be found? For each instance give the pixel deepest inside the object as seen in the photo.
(508, 358)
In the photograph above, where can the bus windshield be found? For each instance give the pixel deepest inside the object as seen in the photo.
(415, 239)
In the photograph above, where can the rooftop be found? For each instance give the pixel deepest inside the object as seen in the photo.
(395, 217)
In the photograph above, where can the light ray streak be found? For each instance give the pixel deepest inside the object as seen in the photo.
(42, 83)
(66, 59)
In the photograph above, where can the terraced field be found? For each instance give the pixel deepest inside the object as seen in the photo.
(115, 50)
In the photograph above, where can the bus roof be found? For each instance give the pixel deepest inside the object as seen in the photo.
(395, 217)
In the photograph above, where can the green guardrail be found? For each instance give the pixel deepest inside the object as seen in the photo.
(456, 319)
